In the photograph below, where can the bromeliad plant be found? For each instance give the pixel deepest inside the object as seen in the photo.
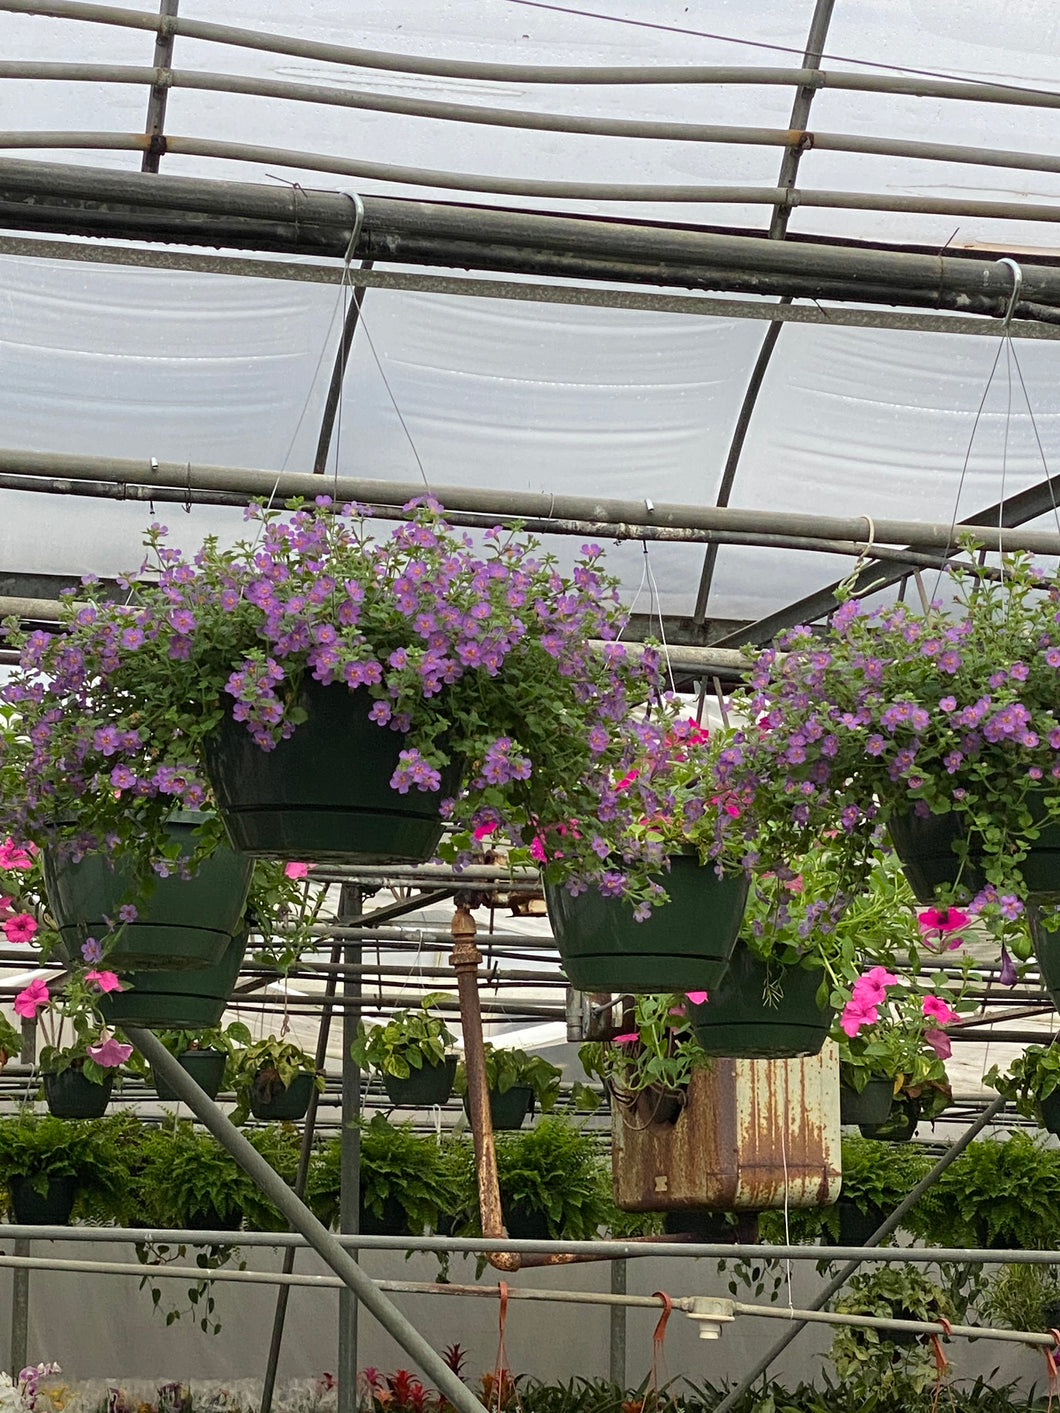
(892, 712)
(474, 656)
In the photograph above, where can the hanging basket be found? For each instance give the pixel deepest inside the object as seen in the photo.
(70, 1094)
(925, 847)
(684, 945)
(1049, 1109)
(900, 1127)
(185, 923)
(507, 1110)
(871, 1105)
(271, 1100)
(206, 1068)
(324, 794)
(52, 1208)
(1047, 951)
(737, 1021)
(433, 1084)
(176, 1000)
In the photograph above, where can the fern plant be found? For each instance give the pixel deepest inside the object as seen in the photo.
(996, 1194)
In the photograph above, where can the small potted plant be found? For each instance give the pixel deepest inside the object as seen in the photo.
(409, 1182)
(516, 1081)
(410, 1052)
(273, 1079)
(866, 1356)
(47, 1163)
(1031, 1084)
(997, 1193)
(940, 724)
(342, 693)
(646, 1069)
(78, 1068)
(204, 1054)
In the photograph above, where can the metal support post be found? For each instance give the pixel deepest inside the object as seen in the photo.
(156, 104)
(884, 1230)
(617, 1355)
(351, 906)
(302, 1219)
(19, 1313)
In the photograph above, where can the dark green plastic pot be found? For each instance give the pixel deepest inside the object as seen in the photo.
(925, 847)
(183, 923)
(52, 1208)
(211, 1219)
(507, 1110)
(176, 1000)
(433, 1084)
(393, 1222)
(857, 1226)
(684, 945)
(1049, 1108)
(1047, 950)
(707, 1225)
(206, 1068)
(900, 1126)
(738, 1022)
(267, 1101)
(324, 793)
(872, 1105)
(524, 1223)
(71, 1095)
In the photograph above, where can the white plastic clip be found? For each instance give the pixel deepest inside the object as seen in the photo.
(711, 1312)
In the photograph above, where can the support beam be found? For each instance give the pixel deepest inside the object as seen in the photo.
(303, 1221)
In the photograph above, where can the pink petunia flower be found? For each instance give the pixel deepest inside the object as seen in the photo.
(109, 1052)
(29, 1001)
(296, 870)
(6, 909)
(630, 1038)
(697, 997)
(20, 928)
(105, 980)
(13, 855)
(939, 1042)
(483, 831)
(942, 919)
(937, 1009)
(856, 1013)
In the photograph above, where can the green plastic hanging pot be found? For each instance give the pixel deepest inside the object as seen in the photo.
(324, 794)
(206, 1068)
(51, 1208)
(393, 1221)
(685, 945)
(525, 1223)
(268, 1100)
(1047, 951)
(70, 1094)
(507, 1110)
(737, 1021)
(176, 1000)
(433, 1084)
(871, 1105)
(1049, 1108)
(900, 1126)
(925, 847)
(183, 923)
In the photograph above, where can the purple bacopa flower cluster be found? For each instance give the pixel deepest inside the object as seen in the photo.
(893, 712)
(480, 652)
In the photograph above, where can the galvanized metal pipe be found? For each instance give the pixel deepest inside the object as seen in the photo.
(20, 1310)
(300, 1217)
(349, 1158)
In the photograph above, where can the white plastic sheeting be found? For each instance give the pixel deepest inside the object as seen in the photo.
(206, 368)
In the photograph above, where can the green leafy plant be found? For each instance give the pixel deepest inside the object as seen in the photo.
(866, 1357)
(10, 1041)
(405, 1042)
(507, 1068)
(997, 1193)
(659, 1052)
(1030, 1078)
(554, 1169)
(270, 1064)
(39, 1147)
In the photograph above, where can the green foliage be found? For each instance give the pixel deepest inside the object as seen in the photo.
(408, 1041)
(659, 1051)
(10, 1041)
(506, 1068)
(554, 1168)
(41, 1146)
(1002, 1194)
(1031, 1077)
(867, 1358)
(270, 1065)
(426, 1179)
(1019, 1297)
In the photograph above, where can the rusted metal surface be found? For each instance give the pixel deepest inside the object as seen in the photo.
(752, 1135)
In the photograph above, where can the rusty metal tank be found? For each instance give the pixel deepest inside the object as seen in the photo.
(750, 1132)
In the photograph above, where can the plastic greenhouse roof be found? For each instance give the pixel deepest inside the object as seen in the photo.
(139, 362)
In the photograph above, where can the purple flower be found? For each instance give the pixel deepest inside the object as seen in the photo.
(91, 950)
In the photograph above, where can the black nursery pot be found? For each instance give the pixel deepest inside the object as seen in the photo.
(42, 1209)
(71, 1095)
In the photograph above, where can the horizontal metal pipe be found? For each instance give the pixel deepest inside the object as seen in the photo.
(916, 85)
(921, 534)
(700, 306)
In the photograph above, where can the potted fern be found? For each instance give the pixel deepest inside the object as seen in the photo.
(48, 1163)
(1031, 1084)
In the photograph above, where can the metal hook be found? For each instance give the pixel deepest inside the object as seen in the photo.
(358, 224)
(1017, 285)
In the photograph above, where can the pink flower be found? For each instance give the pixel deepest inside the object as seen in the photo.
(29, 1001)
(13, 855)
(857, 1013)
(5, 907)
(108, 1052)
(939, 1042)
(296, 870)
(20, 928)
(696, 997)
(942, 919)
(627, 779)
(105, 980)
(937, 1009)
(483, 831)
(630, 1038)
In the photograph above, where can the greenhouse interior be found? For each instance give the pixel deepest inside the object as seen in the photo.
(595, 469)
